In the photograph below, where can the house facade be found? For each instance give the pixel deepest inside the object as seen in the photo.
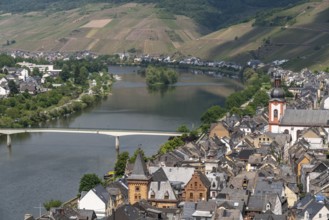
(198, 188)
(95, 199)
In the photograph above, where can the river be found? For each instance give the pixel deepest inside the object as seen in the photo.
(40, 167)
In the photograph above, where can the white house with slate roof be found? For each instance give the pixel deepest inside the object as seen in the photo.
(292, 121)
(95, 199)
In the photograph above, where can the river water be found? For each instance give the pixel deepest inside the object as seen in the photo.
(40, 167)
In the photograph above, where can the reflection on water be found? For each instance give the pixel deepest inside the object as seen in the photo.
(43, 166)
(162, 89)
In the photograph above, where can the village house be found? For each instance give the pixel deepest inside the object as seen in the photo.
(198, 188)
(96, 199)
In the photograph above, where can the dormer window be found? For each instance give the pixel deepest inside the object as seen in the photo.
(245, 183)
(268, 206)
(275, 113)
(152, 194)
(307, 215)
(166, 195)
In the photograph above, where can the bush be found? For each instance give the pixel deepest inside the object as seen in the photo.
(52, 204)
(89, 181)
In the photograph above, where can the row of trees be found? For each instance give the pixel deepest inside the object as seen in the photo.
(253, 93)
(24, 110)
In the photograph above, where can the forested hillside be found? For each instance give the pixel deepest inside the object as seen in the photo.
(212, 14)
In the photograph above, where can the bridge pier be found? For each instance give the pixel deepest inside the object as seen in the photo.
(117, 145)
(8, 140)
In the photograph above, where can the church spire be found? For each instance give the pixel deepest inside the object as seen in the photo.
(140, 171)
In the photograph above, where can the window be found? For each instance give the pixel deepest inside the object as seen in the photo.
(213, 194)
(268, 207)
(166, 195)
(191, 195)
(320, 215)
(137, 188)
(200, 196)
(152, 194)
(275, 113)
(196, 184)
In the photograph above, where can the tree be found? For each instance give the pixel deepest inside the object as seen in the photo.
(160, 76)
(65, 73)
(89, 181)
(212, 114)
(36, 72)
(120, 165)
(261, 99)
(183, 129)
(12, 112)
(171, 145)
(12, 87)
(52, 204)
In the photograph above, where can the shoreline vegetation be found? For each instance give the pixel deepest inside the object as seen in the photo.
(82, 83)
(244, 102)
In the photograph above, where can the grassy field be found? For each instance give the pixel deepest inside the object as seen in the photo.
(106, 29)
(100, 28)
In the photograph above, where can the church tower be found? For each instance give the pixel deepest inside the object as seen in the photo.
(138, 181)
(277, 105)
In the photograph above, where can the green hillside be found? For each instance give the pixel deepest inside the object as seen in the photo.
(300, 34)
(99, 28)
(212, 14)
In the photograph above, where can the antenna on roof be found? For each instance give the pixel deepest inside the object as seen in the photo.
(40, 207)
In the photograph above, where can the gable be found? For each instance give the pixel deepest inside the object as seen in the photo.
(195, 179)
(90, 201)
(218, 130)
(310, 134)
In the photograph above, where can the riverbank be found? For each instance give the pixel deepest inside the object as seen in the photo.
(25, 110)
(47, 160)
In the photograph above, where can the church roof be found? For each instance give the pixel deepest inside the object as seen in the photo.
(140, 171)
(277, 93)
(305, 117)
(159, 176)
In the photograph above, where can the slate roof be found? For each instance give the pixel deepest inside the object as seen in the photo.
(225, 214)
(101, 192)
(205, 181)
(126, 212)
(231, 204)
(238, 195)
(269, 217)
(258, 202)
(70, 213)
(267, 185)
(304, 201)
(140, 171)
(121, 186)
(160, 189)
(304, 117)
(312, 208)
(210, 205)
(246, 153)
(176, 174)
(159, 176)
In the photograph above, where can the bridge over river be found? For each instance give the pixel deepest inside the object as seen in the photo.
(115, 133)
